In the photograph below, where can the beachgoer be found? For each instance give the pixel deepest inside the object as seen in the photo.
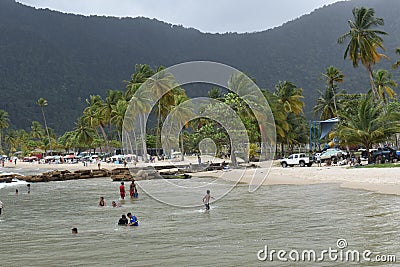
(125, 163)
(123, 220)
(122, 190)
(98, 164)
(74, 230)
(133, 190)
(319, 159)
(102, 202)
(16, 191)
(199, 159)
(2, 163)
(206, 200)
(133, 221)
(15, 161)
(115, 204)
(1, 206)
(29, 188)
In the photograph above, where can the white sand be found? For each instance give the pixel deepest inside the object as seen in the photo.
(381, 180)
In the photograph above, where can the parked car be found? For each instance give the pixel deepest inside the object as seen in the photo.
(332, 153)
(384, 154)
(297, 159)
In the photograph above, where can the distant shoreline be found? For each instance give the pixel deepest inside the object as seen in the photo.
(379, 180)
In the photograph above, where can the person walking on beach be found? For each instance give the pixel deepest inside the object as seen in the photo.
(199, 159)
(29, 188)
(206, 200)
(1, 206)
(122, 190)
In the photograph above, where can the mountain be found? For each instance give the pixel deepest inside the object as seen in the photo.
(65, 58)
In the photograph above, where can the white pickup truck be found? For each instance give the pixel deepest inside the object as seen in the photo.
(297, 159)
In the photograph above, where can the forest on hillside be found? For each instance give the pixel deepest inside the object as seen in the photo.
(65, 58)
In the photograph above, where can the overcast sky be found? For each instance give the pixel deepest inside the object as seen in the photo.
(205, 15)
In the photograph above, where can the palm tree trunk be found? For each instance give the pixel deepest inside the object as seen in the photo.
(158, 127)
(143, 134)
(181, 137)
(47, 130)
(371, 80)
(105, 138)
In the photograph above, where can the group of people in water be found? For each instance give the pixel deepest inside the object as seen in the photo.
(132, 190)
(128, 219)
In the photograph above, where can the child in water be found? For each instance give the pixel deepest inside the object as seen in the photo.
(206, 200)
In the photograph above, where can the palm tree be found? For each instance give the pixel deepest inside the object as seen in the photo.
(289, 96)
(141, 74)
(4, 123)
(139, 105)
(36, 130)
(333, 75)
(11, 139)
(118, 115)
(161, 85)
(384, 83)
(181, 114)
(43, 103)
(84, 133)
(370, 124)
(364, 41)
(328, 101)
(96, 114)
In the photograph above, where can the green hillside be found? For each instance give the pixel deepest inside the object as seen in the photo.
(65, 58)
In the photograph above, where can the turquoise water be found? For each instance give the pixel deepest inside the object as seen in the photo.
(35, 229)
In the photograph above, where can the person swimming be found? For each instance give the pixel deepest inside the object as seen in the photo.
(102, 202)
(133, 221)
(123, 220)
(115, 204)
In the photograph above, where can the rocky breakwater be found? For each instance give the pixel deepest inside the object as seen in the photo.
(8, 178)
(137, 174)
(65, 175)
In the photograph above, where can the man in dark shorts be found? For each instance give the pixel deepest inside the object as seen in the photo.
(206, 200)
(122, 190)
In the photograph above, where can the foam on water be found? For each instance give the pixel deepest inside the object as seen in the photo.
(15, 182)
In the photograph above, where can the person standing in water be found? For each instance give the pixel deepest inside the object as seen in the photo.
(1, 206)
(102, 202)
(206, 200)
(122, 190)
(29, 188)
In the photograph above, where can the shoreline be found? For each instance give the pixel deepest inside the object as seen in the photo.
(379, 180)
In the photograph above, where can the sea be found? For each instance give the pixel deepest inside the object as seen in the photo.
(279, 225)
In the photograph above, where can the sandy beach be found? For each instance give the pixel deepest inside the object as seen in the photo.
(380, 180)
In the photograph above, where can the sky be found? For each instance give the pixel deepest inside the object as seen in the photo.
(205, 15)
